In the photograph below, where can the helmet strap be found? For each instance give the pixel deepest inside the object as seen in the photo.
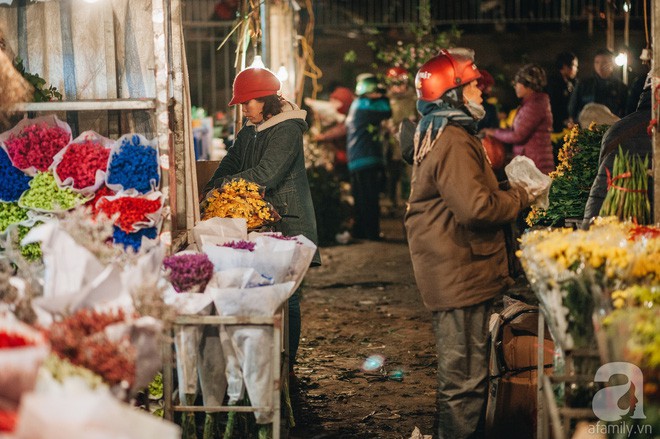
(454, 97)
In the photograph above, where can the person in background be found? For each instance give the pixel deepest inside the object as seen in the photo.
(602, 88)
(637, 87)
(530, 134)
(485, 84)
(268, 150)
(560, 88)
(456, 212)
(561, 84)
(630, 133)
(403, 103)
(336, 134)
(365, 154)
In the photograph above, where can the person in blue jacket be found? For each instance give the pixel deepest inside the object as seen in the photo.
(364, 147)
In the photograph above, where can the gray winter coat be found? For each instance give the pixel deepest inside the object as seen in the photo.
(271, 155)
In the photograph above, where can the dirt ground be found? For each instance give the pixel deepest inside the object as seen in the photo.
(366, 362)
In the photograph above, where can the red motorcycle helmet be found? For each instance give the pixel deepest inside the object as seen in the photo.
(449, 69)
(254, 83)
(396, 74)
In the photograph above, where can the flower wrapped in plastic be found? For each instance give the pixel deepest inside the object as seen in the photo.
(132, 211)
(239, 198)
(111, 344)
(45, 195)
(22, 349)
(83, 163)
(573, 272)
(13, 182)
(188, 272)
(630, 333)
(198, 352)
(133, 164)
(33, 143)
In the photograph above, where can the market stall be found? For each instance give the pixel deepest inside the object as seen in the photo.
(102, 187)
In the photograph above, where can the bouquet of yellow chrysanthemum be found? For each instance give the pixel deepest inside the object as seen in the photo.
(574, 272)
(239, 198)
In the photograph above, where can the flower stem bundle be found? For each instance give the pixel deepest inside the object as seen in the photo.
(627, 194)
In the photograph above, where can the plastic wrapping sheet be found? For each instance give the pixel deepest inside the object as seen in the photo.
(145, 335)
(234, 228)
(248, 350)
(71, 411)
(523, 172)
(190, 345)
(249, 284)
(73, 277)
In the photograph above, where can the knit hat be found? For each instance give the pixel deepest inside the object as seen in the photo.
(345, 96)
(254, 83)
(531, 76)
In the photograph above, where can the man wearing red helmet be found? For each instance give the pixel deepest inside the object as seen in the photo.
(454, 223)
(268, 150)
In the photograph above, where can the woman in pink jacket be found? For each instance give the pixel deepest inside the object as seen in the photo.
(530, 134)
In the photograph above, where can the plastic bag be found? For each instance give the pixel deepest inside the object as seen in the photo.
(522, 171)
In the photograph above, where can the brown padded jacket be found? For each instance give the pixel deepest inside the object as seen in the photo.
(454, 221)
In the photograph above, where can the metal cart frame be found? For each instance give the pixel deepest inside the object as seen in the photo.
(275, 321)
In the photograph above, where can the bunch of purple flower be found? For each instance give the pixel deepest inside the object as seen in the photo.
(240, 245)
(189, 272)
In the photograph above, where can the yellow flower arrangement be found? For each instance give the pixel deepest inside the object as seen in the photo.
(240, 199)
(573, 271)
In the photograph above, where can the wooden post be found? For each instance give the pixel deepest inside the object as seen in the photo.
(609, 16)
(655, 74)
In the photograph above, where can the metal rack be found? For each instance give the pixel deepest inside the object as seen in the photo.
(167, 111)
(275, 321)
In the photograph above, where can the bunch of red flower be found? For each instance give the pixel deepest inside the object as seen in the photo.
(639, 231)
(104, 191)
(13, 340)
(36, 146)
(81, 161)
(131, 210)
(80, 339)
(8, 420)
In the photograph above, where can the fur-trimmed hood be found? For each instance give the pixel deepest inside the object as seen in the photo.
(289, 111)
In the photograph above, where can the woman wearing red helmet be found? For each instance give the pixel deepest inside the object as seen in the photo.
(454, 222)
(268, 150)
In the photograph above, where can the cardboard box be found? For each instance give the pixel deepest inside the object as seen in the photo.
(205, 170)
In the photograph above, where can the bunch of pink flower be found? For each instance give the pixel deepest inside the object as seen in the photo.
(36, 146)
